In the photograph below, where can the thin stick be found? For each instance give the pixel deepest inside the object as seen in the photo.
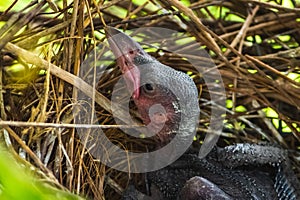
(55, 125)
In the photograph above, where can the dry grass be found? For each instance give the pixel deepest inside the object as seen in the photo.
(256, 57)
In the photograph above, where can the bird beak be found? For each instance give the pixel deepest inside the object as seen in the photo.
(125, 50)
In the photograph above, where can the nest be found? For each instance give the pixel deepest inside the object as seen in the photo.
(253, 45)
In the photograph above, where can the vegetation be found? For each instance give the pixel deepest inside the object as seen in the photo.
(44, 47)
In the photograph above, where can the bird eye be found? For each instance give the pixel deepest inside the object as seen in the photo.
(149, 88)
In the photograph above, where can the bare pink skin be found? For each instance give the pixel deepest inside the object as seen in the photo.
(158, 113)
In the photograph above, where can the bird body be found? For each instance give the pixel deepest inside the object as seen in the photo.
(266, 176)
(167, 101)
(254, 178)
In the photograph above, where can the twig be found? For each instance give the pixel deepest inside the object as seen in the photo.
(55, 125)
(208, 40)
(31, 58)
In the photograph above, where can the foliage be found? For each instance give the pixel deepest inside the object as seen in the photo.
(253, 44)
(18, 183)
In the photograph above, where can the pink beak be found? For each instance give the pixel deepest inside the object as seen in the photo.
(125, 49)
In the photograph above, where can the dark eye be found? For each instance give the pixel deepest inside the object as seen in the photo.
(149, 88)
